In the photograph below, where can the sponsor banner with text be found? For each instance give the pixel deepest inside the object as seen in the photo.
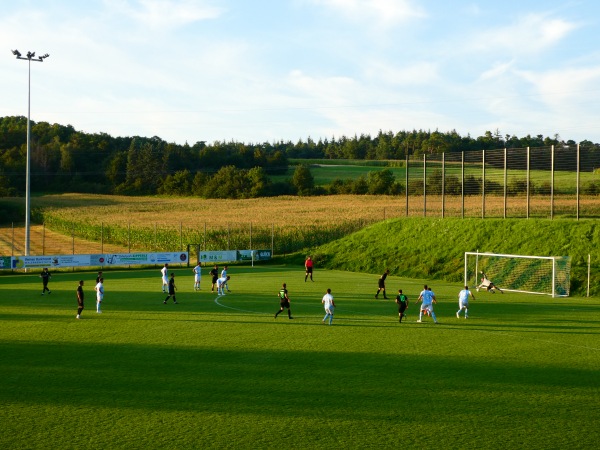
(108, 259)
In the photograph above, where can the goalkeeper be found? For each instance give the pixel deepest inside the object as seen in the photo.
(487, 284)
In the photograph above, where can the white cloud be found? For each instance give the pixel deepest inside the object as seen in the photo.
(165, 13)
(559, 88)
(383, 12)
(529, 34)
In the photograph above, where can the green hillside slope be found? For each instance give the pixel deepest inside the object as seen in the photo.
(434, 248)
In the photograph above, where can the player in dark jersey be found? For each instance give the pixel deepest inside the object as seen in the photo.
(284, 301)
(79, 299)
(381, 284)
(214, 273)
(172, 288)
(45, 276)
(402, 301)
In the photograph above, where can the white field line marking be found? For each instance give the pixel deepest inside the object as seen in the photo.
(231, 307)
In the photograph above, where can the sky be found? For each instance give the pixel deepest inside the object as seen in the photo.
(257, 71)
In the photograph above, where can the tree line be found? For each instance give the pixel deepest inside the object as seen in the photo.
(66, 160)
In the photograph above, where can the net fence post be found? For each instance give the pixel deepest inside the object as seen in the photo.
(528, 181)
(443, 183)
(505, 182)
(588, 274)
(406, 177)
(578, 181)
(483, 184)
(462, 185)
(552, 182)
(424, 185)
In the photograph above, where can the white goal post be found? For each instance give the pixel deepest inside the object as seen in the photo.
(548, 275)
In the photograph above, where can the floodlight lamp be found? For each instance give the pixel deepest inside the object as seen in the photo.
(17, 53)
(30, 55)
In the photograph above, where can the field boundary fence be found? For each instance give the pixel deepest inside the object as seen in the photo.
(69, 238)
(543, 182)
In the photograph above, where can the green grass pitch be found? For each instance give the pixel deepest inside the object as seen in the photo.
(521, 372)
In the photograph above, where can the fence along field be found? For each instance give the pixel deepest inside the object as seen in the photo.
(78, 223)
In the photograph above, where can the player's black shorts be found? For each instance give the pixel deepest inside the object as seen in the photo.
(284, 304)
(309, 270)
(214, 279)
(402, 307)
(382, 284)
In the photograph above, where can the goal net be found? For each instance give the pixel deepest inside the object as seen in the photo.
(549, 275)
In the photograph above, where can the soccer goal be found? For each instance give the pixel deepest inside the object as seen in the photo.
(548, 275)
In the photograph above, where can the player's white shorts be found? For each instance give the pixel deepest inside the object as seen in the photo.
(197, 278)
(329, 310)
(165, 280)
(427, 307)
(463, 304)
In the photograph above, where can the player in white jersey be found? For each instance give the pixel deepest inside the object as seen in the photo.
(165, 278)
(99, 295)
(197, 276)
(427, 297)
(221, 282)
(463, 301)
(329, 305)
(224, 275)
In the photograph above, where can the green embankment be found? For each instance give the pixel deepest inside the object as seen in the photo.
(434, 248)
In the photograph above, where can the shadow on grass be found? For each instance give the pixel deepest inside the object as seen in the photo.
(283, 383)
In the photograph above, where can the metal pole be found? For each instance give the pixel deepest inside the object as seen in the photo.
(483, 185)
(128, 237)
(528, 181)
(424, 185)
(28, 167)
(101, 237)
(204, 236)
(44, 238)
(578, 174)
(462, 184)
(406, 181)
(443, 183)
(552, 184)
(30, 57)
(505, 182)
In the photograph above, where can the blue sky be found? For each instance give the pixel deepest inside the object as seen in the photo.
(259, 70)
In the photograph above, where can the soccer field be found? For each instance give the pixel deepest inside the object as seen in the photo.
(521, 372)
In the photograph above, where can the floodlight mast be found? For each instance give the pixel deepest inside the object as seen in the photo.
(30, 57)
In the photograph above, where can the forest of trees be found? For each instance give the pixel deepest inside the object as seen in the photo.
(66, 160)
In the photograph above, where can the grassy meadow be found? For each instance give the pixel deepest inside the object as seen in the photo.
(86, 223)
(521, 372)
(326, 171)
